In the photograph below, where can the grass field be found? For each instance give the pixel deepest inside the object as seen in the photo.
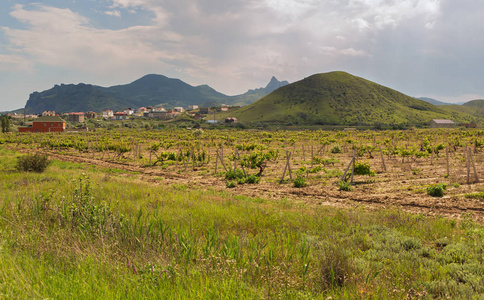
(83, 231)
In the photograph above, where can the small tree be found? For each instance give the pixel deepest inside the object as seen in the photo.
(5, 124)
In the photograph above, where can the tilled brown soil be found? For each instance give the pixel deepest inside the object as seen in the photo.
(389, 191)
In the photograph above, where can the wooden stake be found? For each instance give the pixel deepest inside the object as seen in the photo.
(312, 156)
(447, 160)
(222, 161)
(473, 165)
(346, 171)
(288, 155)
(383, 160)
(243, 169)
(468, 165)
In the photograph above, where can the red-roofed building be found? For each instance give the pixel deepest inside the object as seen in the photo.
(45, 124)
(120, 115)
(76, 117)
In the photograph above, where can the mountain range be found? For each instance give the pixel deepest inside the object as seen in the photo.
(150, 90)
(334, 98)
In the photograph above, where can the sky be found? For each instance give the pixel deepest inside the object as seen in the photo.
(423, 48)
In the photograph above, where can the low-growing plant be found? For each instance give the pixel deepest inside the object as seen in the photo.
(436, 190)
(237, 174)
(315, 169)
(336, 149)
(300, 182)
(33, 163)
(344, 186)
(231, 184)
(363, 168)
(252, 179)
(332, 173)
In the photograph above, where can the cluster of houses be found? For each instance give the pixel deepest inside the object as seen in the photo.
(49, 121)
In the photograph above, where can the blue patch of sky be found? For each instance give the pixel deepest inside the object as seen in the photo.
(93, 10)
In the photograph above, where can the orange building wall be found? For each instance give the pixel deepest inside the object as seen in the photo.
(44, 127)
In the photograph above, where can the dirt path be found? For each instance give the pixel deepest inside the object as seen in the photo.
(384, 194)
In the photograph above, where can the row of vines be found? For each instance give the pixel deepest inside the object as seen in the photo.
(240, 155)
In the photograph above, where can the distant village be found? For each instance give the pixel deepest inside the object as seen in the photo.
(50, 121)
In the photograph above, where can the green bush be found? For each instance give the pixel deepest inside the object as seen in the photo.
(336, 149)
(252, 179)
(33, 163)
(344, 186)
(237, 174)
(300, 182)
(436, 190)
(363, 168)
(230, 184)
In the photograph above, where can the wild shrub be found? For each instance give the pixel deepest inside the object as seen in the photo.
(329, 161)
(333, 173)
(252, 179)
(344, 186)
(316, 169)
(336, 266)
(33, 163)
(231, 175)
(436, 190)
(230, 184)
(336, 149)
(300, 182)
(363, 168)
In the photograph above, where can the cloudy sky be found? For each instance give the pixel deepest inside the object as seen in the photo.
(429, 48)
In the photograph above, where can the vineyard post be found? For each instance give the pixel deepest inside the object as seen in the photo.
(150, 156)
(193, 158)
(186, 163)
(468, 164)
(289, 164)
(312, 156)
(476, 178)
(347, 169)
(447, 159)
(241, 165)
(235, 160)
(177, 158)
(353, 167)
(93, 149)
(383, 160)
(216, 161)
(288, 156)
(221, 158)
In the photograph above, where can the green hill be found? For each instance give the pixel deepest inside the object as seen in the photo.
(474, 108)
(339, 98)
(479, 103)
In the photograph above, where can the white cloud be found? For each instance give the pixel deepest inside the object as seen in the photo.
(62, 38)
(16, 63)
(113, 13)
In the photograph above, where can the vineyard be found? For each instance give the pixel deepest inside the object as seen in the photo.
(202, 214)
(377, 168)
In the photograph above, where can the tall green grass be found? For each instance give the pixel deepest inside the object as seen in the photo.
(75, 232)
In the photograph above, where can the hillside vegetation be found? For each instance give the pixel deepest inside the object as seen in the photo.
(338, 98)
